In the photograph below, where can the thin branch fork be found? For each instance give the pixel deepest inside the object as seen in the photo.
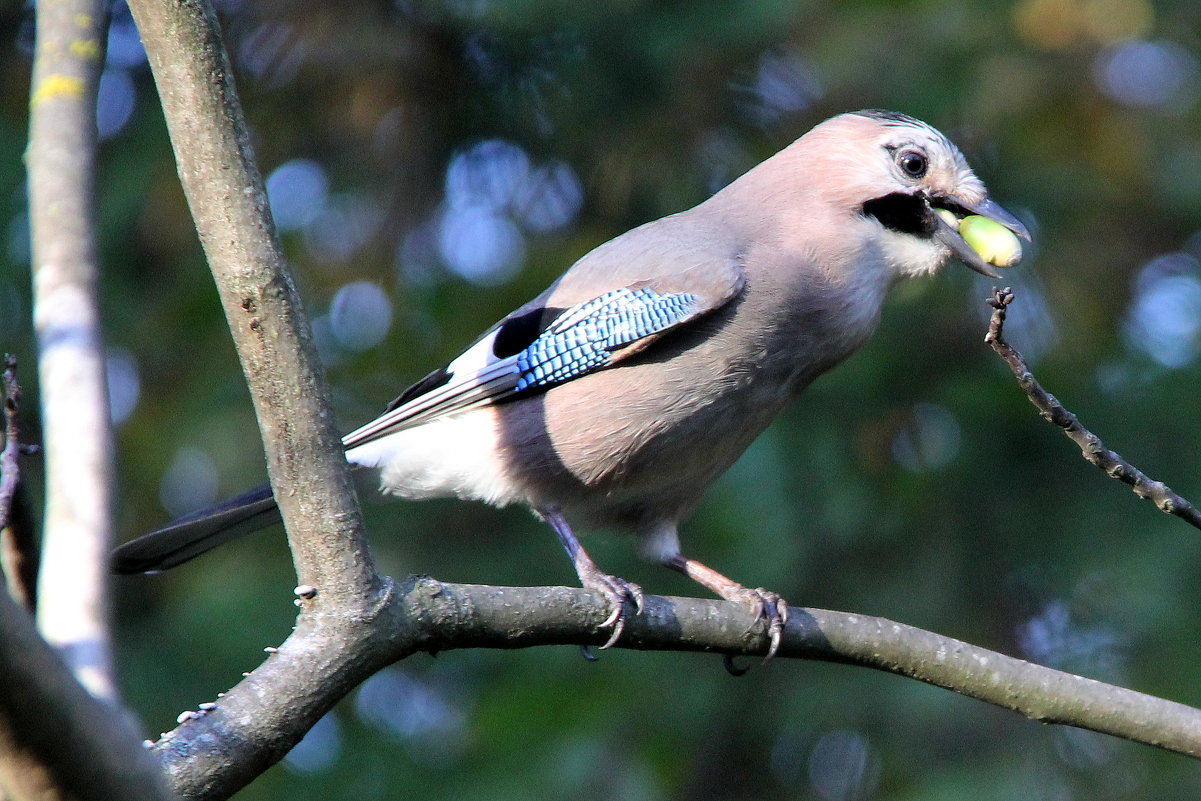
(18, 546)
(12, 444)
(1091, 446)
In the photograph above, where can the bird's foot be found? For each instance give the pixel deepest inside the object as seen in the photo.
(768, 607)
(620, 594)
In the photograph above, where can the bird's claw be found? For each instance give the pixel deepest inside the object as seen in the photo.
(770, 608)
(617, 592)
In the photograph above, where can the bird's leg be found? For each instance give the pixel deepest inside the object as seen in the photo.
(766, 605)
(616, 590)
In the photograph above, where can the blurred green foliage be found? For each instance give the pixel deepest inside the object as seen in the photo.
(914, 482)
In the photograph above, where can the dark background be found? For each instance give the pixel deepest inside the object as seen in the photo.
(434, 164)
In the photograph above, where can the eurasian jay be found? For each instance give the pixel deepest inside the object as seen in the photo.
(615, 397)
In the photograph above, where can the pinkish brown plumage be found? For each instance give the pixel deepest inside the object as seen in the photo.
(617, 396)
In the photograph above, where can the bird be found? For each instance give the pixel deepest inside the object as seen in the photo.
(614, 398)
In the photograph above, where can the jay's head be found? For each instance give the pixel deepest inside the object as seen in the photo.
(908, 184)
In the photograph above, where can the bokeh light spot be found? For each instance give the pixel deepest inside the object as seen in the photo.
(1112, 20)
(1164, 319)
(298, 191)
(1052, 638)
(549, 198)
(488, 174)
(124, 383)
(1048, 24)
(116, 98)
(190, 482)
(1059, 24)
(480, 245)
(1158, 75)
(843, 767)
(272, 53)
(343, 225)
(320, 747)
(930, 440)
(360, 316)
(785, 83)
(414, 712)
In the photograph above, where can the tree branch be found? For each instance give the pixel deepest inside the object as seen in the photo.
(1091, 446)
(18, 549)
(353, 622)
(49, 748)
(73, 610)
(229, 205)
(11, 391)
(214, 752)
(57, 742)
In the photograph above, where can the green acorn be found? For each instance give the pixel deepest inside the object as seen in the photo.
(995, 243)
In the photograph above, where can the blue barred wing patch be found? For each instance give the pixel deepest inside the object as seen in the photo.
(583, 338)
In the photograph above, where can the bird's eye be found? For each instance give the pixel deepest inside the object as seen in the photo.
(912, 163)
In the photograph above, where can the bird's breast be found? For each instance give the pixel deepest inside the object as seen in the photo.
(648, 436)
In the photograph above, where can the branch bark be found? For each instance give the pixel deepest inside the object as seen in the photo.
(353, 621)
(229, 205)
(73, 610)
(57, 742)
(18, 548)
(215, 752)
(1092, 448)
(11, 392)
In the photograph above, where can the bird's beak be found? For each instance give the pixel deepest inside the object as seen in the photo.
(948, 233)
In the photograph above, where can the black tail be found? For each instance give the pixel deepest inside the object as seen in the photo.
(192, 535)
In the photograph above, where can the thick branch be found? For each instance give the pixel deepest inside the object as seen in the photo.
(215, 752)
(56, 740)
(229, 205)
(1091, 446)
(72, 612)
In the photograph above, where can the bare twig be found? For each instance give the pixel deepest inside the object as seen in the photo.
(1091, 446)
(18, 553)
(8, 454)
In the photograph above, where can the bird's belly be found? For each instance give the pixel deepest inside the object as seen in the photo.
(648, 457)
